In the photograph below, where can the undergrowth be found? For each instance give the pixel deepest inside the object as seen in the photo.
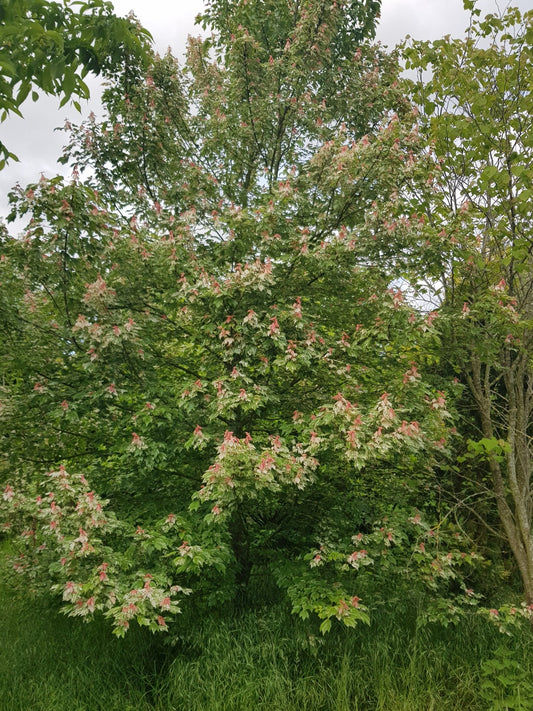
(257, 660)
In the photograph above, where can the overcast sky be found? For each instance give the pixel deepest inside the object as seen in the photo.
(170, 21)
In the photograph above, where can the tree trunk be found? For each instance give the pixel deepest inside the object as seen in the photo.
(511, 482)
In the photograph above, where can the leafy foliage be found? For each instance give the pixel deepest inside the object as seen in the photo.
(505, 683)
(52, 46)
(209, 328)
(474, 109)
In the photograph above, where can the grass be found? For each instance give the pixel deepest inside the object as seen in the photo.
(48, 661)
(256, 661)
(267, 662)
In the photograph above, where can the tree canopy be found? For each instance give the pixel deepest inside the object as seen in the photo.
(213, 383)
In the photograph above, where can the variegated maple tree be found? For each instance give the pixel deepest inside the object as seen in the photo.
(209, 330)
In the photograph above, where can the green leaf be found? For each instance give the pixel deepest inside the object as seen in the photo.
(325, 626)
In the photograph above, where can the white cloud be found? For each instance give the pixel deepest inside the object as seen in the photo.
(432, 19)
(169, 21)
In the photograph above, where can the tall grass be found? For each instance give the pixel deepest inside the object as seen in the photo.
(254, 661)
(50, 662)
(267, 661)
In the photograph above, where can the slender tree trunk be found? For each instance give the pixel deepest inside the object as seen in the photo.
(512, 480)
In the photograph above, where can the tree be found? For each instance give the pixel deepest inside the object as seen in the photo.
(52, 46)
(205, 331)
(476, 106)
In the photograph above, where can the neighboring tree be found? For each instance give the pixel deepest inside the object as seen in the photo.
(477, 107)
(205, 330)
(51, 46)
